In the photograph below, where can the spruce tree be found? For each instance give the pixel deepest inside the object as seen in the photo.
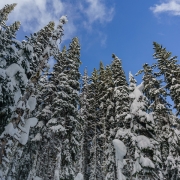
(70, 142)
(84, 114)
(158, 107)
(110, 131)
(22, 112)
(139, 161)
(46, 138)
(13, 72)
(120, 108)
(102, 117)
(121, 91)
(94, 164)
(168, 136)
(170, 70)
(58, 112)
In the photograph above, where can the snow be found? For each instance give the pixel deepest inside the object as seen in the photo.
(150, 117)
(21, 105)
(128, 116)
(135, 106)
(37, 178)
(52, 121)
(17, 96)
(121, 150)
(79, 177)
(122, 132)
(57, 128)
(58, 166)
(131, 77)
(63, 19)
(9, 129)
(146, 162)
(40, 124)
(31, 103)
(29, 48)
(38, 137)
(136, 167)
(31, 122)
(13, 69)
(2, 73)
(143, 142)
(137, 92)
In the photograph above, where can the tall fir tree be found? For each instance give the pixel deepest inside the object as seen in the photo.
(121, 91)
(121, 107)
(13, 71)
(157, 105)
(102, 124)
(84, 114)
(140, 158)
(94, 165)
(170, 70)
(21, 116)
(71, 141)
(110, 131)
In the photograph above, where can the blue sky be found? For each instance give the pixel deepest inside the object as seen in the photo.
(126, 28)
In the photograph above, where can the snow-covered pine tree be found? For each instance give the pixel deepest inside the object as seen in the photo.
(53, 117)
(156, 95)
(168, 130)
(84, 114)
(170, 70)
(12, 71)
(57, 114)
(69, 110)
(102, 89)
(118, 107)
(14, 132)
(45, 142)
(121, 91)
(94, 165)
(172, 168)
(139, 162)
(4, 12)
(110, 127)
(34, 153)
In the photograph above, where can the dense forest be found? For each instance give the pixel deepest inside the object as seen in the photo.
(62, 125)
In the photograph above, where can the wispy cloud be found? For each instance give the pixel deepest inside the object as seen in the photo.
(169, 6)
(98, 11)
(35, 14)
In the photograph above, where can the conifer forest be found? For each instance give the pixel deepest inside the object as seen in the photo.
(63, 125)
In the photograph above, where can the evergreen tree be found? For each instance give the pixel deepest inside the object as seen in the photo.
(58, 113)
(94, 164)
(110, 131)
(102, 124)
(170, 70)
(158, 106)
(70, 142)
(14, 131)
(45, 144)
(84, 114)
(13, 73)
(118, 108)
(121, 91)
(168, 136)
(139, 160)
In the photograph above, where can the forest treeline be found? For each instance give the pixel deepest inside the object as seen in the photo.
(62, 125)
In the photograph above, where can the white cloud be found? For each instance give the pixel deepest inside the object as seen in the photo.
(168, 6)
(35, 14)
(98, 11)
